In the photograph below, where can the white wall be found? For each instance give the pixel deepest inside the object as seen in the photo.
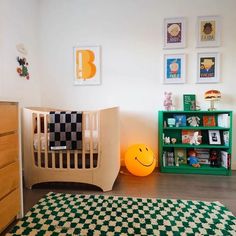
(130, 34)
(19, 24)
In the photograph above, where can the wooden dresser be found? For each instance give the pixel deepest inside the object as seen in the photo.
(9, 164)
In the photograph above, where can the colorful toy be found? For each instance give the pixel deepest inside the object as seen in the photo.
(139, 160)
(215, 158)
(192, 159)
(194, 121)
(168, 101)
(173, 140)
(167, 140)
(195, 138)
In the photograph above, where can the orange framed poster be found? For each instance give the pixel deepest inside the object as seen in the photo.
(87, 65)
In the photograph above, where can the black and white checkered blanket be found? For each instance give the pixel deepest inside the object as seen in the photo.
(65, 130)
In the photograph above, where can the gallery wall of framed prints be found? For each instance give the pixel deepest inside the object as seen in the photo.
(208, 38)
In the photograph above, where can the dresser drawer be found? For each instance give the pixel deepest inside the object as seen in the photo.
(9, 208)
(8, 149)
(9, 179)
(8, 117)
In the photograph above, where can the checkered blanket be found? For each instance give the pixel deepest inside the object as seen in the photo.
(67, 214)
(65, 130)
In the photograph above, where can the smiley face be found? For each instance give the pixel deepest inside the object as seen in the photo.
(139, 160)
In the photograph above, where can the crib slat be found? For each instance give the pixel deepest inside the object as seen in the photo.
(39, 141)
(91, 122)
(46, 140)
(84, 125)
(60, 160)
(68, 158)
(53, 160)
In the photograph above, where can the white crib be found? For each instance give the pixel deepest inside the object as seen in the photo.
(98, 162)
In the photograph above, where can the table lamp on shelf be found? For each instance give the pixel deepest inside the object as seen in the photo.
(212, 96)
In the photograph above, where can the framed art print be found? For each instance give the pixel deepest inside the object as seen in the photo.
(208, 68)
(208, 31)
(174, 68)
(174, 33)
(214, 137)
(87, 65)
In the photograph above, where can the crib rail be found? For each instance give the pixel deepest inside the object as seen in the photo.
(87, 158)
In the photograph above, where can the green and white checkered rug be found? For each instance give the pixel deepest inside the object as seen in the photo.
(67, 214)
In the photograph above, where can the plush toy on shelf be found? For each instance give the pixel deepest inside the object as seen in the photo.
(192, 159)
(168, 101)
(193, 121)
(215, 158)
(195, 139)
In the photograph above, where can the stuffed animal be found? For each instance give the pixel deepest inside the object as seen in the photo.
(215, 158)
(168, 101)
(167, 140)
(193, 121)
(192, 159)
(195, 139)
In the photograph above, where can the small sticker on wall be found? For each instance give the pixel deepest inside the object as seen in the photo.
(22, 69)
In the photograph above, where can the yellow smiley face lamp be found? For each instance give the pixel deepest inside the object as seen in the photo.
(139, 160)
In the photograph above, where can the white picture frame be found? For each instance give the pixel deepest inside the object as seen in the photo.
(174, 33)
(87, 65)
(174, 68)
(208, 67)
(208, 31)
(214, 137)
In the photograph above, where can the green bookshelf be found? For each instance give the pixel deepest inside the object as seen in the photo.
(221, 123)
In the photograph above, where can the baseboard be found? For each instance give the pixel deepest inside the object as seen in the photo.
(233, 166)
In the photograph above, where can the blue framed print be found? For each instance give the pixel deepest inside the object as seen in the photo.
(174, 68)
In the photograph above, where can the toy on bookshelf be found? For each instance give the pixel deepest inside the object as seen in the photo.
(180, 120)
(195, 138)
(193, 121)
(168, 101)
(171, 122)
(215, 158)
(167, 140)
(173, 140)
(209, 121)
(192, 159)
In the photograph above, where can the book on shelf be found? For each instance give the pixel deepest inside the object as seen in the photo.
(203, 155)
(189, 102)
(223, 120)
(209, 121)
(187, 136)
(225, 159)
(180, 120)
(170, 161)
(180, 156)
(164, 158)
(226, 137)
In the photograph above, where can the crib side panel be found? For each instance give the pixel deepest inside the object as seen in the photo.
(27, 144)
(105, 176)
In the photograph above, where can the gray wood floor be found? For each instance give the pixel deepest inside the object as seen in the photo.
(156, 185)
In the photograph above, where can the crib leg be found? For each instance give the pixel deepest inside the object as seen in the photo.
(107, 187)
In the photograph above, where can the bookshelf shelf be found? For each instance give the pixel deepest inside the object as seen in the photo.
(220, 124)
(197, 128)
